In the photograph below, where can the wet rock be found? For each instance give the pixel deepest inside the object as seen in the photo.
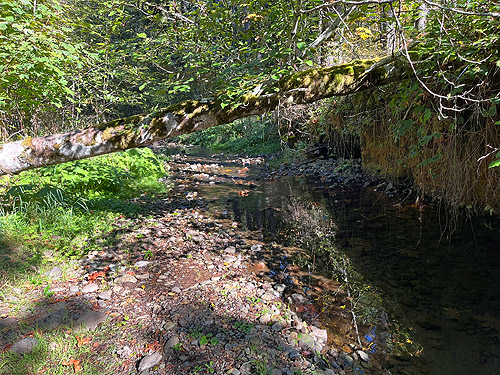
(256, 248)
(90, 288)
(24, 346)
(363, 356)
(149, 361)
(277, 327)
(55, 273)
(299, 298)
(90, 319)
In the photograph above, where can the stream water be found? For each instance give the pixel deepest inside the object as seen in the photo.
(428, 285)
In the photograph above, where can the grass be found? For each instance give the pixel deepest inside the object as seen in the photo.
(58, 352)
(53, 216)
(252, 136)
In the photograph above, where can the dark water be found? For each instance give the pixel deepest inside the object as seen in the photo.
(436, 276)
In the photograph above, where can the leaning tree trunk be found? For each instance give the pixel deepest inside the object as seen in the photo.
(141, 130)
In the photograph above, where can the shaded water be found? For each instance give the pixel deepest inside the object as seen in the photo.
(440, 290)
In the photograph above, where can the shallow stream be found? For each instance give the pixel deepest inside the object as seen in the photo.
(430, 298)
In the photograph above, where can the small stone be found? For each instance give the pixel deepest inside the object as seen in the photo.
(144, 276)
(126, 279)
(90, 319)
(276, 371)
(234, 372)
(299, 298)
(169, 325)
(176, 290)
(90, 288)
(74, 289)
(230, 250)
(280, 288)
(24, 346)
(142, 263)
(306, 341)
(149, 361)
(256, 248)
(320, 334)
(363, 356)
(277, 327)
(173, 341)
(264, 319)
(106, 295)
(54, 273)
(294, 354)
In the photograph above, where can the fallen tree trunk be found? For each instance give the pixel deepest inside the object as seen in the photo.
(141, 130)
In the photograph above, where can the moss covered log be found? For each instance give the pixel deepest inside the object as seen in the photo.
(141, 130)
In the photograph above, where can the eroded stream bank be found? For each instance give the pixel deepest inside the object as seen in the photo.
(429, 301)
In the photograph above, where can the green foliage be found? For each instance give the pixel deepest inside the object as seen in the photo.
(119, 175)
(53, 207)
(248, 136)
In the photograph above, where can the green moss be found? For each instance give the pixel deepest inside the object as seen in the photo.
(27, 142)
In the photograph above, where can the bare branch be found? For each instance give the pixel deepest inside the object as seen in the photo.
(347, 2)
(461, 11)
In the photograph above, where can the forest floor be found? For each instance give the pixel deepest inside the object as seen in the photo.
(182, 289)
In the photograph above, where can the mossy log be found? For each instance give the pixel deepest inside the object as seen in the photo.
(141, 130)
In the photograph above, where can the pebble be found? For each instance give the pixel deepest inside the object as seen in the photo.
(276, 372)
(169, 325)
(90, 288)
(126, 279)
(106, 295)
(142, 263)
(363, 356)
(176, 289)
(24, 346)
(149, 361)
(299, 298)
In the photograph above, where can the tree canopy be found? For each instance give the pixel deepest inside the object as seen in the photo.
(74, 64)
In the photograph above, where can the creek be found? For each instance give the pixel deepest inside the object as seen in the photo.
(425, 284)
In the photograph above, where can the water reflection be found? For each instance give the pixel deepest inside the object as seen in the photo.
(443, 290)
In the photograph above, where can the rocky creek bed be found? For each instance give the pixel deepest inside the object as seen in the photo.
(187, 291)
(208, 280)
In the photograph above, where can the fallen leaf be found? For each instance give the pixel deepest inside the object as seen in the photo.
(244, 193)
(73, 362)
(82, 341)
(95, 275)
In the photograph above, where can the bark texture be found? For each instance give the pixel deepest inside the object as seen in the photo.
(141, 130)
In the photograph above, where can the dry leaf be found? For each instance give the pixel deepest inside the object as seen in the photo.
(73, 362)
(82, 341)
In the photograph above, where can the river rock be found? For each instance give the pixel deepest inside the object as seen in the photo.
(363, 356)
(321, 335)
(90, 319)
(142, 263)
(299, 298)
(106, 295)
(126, 279)
(149, 361)
(173, 341)
(90, 288)
(306, 341)
(24, 346)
